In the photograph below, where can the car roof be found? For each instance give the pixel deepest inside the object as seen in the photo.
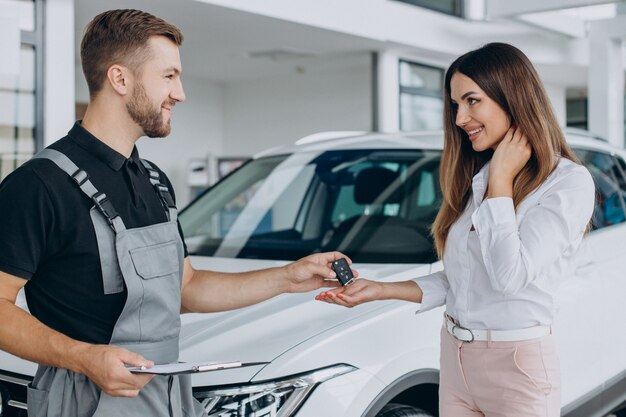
(371, 140)
(330, 141)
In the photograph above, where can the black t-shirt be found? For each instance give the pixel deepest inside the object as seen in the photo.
(47, 236)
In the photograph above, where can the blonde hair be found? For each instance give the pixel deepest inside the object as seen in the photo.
(507, 76)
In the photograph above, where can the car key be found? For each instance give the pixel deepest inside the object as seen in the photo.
(343, 271)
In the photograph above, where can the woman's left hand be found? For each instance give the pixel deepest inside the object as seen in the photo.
(359, 292)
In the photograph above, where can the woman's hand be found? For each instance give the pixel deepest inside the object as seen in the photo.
(511, 155)
(363, 290)
(359, 292)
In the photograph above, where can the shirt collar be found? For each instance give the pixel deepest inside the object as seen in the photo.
(479, 184)
(102, 151)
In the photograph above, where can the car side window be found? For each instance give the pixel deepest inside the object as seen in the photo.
(426, 195)
(608, 174)
(348, 206)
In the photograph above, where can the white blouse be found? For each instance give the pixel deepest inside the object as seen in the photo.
(504, 275)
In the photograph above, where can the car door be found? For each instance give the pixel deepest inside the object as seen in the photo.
(589, 329)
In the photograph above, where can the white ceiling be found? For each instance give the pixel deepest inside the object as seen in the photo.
(218, 41)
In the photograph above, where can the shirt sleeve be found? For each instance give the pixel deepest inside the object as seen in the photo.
(26, 218)
(515, 255)
(434, 290)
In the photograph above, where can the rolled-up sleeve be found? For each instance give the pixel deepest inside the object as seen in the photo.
(513, 255)
(434, 290)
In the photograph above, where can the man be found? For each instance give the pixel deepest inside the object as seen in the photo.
(90, 231)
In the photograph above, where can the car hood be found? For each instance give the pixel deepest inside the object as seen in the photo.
(262, 332)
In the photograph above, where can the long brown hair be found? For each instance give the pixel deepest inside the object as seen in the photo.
(507, 76)
(120, 37)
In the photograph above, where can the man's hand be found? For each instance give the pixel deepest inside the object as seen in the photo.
(314, 272)
(106, 365)
(23, 335)
(209, 291)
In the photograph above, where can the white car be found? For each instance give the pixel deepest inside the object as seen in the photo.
(373, 197)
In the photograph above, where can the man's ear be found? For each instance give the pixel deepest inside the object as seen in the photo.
(119, 78)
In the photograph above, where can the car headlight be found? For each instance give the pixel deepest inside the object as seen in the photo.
(268, 398)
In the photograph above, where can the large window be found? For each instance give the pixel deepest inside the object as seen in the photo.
(578, 114)
(421, 97)
(21, 101)
(576, 110)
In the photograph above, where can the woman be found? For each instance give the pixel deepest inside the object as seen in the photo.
(516, 205)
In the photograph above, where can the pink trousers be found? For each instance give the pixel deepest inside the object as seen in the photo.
(499, 379)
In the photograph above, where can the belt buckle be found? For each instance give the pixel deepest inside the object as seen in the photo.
(462, 328)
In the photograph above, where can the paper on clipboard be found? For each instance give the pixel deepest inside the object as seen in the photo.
(190, 367)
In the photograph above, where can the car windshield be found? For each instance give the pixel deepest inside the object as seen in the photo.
(376, 206)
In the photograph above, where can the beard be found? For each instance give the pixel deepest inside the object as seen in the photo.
(150, 119)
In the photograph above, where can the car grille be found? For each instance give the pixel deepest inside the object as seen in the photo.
(13, 391)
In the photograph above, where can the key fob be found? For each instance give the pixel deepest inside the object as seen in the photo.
(343, 271)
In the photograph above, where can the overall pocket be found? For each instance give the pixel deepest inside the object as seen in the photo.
(156, 261)
(37, 400)
(158, 268)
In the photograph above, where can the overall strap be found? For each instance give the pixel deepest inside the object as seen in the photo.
(164, 193)
(81, 178)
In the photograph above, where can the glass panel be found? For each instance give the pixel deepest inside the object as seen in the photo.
(576, 110)
(427, 192)
(415, 75)
(286, 207)
(420, 112)
(577, 113)
(610, 187)
(17, 115)
(23, 9)
(421, 103)
(444, 6)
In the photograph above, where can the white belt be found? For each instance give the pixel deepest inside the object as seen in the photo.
(469, 335)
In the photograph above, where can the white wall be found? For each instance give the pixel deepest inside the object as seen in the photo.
(264, 113)
(557, 95)
(388, 91)
(434, 36)
(59, 73)
(197, 131)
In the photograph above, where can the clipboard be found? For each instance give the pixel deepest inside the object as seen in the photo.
(190, 367)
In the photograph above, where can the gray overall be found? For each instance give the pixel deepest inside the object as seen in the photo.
(149, 262)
